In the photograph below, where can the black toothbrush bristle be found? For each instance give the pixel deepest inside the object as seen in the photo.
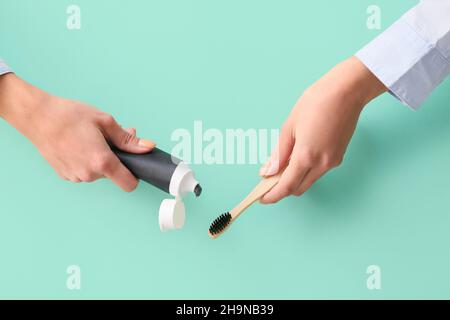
(220, 224)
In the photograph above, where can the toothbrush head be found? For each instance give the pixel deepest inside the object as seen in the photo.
(219, 225)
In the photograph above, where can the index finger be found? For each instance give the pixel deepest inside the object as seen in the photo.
(120, 175)
(289, 181)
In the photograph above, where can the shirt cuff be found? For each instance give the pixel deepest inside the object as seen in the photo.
(4, 68)
(406, 63)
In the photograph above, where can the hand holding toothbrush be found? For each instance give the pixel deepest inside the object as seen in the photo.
(315, 136)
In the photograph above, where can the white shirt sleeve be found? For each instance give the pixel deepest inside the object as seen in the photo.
(4, 68)
(412, 57)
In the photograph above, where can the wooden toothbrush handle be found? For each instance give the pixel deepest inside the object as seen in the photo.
(261, 189)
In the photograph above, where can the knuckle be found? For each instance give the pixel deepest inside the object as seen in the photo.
(330, 161)
(327, 164)
(298, 193)
(101, 163)
(106, 119)
(290, 189)
(87, 176)
(306, 157)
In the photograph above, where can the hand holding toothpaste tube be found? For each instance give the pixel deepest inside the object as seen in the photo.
(72, 136)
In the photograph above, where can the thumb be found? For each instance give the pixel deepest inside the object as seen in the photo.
(280, 156)
(126, 140)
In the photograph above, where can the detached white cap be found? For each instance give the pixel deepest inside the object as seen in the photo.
(171, 214)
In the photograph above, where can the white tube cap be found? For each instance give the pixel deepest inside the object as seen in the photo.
(171, 214)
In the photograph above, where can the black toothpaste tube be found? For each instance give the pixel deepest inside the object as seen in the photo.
(167, 173)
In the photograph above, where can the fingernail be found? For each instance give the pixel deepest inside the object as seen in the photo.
(272, 169)
(146, 144)
(263, 170)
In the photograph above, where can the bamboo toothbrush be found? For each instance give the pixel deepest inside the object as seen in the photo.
(221, 224)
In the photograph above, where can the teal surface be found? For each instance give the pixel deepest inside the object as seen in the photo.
(161, 65)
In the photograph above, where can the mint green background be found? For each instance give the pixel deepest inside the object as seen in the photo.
(160, 65)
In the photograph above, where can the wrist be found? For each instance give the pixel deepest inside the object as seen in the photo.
(350, 86)
(21, 104)
(361, 83)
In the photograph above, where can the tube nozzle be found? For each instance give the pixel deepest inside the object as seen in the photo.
(198, 190)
